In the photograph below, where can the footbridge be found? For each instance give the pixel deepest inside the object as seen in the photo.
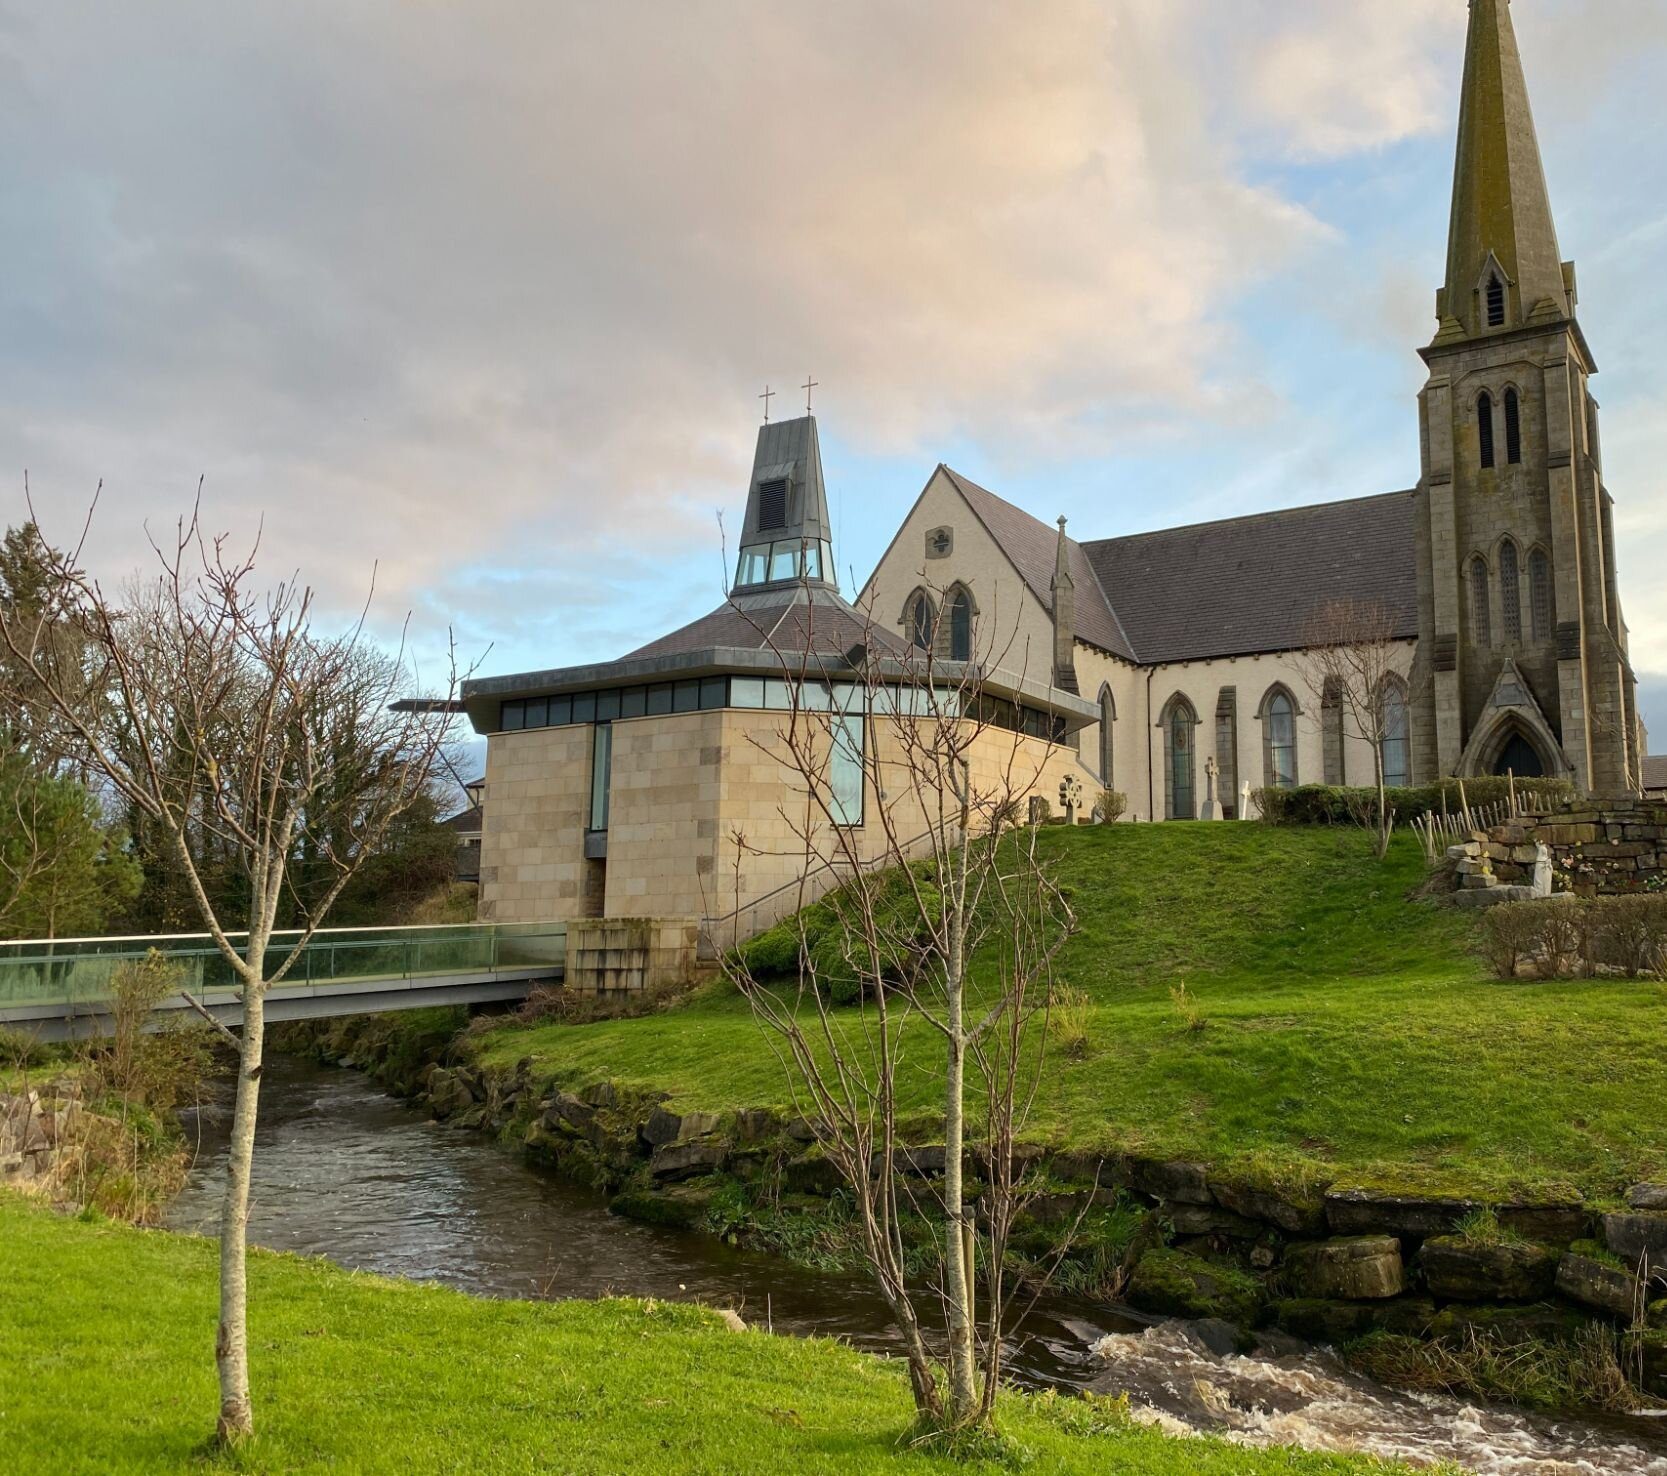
(61, 988)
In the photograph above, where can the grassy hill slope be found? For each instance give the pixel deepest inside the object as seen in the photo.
(1344, 1032)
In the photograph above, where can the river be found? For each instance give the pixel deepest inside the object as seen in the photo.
(342, 1170)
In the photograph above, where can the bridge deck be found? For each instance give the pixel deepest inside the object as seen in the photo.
(52, 988)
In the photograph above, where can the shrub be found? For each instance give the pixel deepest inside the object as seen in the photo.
(1187, 1007)
(1113, 806)
(1040, 810)
(1322, 804)
(1510, 937)
(1630, 933)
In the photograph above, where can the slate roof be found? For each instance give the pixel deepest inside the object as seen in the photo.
(1655, 772)
(1251, 585)
(1033, 547)
(466, 822)
(788, 625)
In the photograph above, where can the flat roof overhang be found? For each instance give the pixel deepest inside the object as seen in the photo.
(482, 695)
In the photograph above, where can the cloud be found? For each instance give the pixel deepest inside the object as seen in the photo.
(484, 294)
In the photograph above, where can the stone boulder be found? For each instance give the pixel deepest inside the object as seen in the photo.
(1289, 1210)
(1550, 1224)
(1172, 1284)
(1510, 1325)
(1219, 1224)
(665, 1127)
(675, 1162)
(813, 1174)
(1364, 1268)
(1408, 1217)
(1173, 1183)
(448, 1093)
(567, 1113)
(1458, 1270)
(1598, 1285)
(1647, 1197)
(1639, 1238)
(1316, 1320)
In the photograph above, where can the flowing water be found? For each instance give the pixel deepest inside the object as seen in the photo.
(344, 1171)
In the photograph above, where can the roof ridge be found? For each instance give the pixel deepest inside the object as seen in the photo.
(1257, 517)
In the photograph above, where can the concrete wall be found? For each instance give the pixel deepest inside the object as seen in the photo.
(537, 802)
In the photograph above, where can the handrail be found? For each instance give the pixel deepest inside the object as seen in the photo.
(280, 932)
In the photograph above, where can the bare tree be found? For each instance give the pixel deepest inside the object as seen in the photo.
(216, 711)
(946, 927)
(1350, 662)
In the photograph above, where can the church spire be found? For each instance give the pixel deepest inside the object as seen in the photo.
(1503, 265)
(786, 535)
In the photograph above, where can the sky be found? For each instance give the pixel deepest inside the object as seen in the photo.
(474, 303)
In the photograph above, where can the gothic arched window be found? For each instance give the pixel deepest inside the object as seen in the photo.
(1481, 621)
(1279, 739)
(1179, 727)
(1484, 428)
(1510, 592)
(960, 626)
(920, 620)
(1397, 734)
(1496, 302)
(1108, 716)
(1513, 428)
(1539, 593)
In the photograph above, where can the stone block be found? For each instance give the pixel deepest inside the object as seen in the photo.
(1647, 1197)
(1366, 1268)
(1548, 1224)
(1598, 1285)
(1463, 1271)
(1174, 1183)
(1639, 1238)
(1367, 1212)
(1290, 1211)
(687, 1160)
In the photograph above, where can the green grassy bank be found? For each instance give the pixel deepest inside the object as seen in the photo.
(1340, 1033)
(109, 1337)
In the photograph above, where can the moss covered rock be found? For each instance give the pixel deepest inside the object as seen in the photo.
(1173, 1284)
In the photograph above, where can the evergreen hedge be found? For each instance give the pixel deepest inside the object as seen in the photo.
(1328, 804)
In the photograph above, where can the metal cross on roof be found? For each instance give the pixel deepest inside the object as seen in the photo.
(768, 395)
(807, 387)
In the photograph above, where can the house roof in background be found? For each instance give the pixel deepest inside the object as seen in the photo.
(1655, 772)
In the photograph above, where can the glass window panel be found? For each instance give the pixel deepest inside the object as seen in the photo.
(607, 706)
(813, 561)
(633, 702)
(659, 699)
(601, 769)
(714, 692)
(777, 696)
(685, 696)
(561, 711)
(960, 629)
(784, 560)
(847, 697)
(1397, 749)
(814, 697)
(584, 707)
(845, 770)
(1282, 741)
(755, 565)
(746, 691)
(538, 713)
(512, 717)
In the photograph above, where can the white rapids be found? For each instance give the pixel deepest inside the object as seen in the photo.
(1175, 1382)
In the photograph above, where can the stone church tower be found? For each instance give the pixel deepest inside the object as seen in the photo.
(1522, 660)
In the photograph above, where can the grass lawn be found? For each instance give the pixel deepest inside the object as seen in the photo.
(1349, 1035)
(109, 1335)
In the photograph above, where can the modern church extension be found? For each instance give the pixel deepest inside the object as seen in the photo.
(1157, 664)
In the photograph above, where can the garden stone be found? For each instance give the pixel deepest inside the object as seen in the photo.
(813, 1174)
(569, 1113)
(1316, 1320)
(673, 1127)
(601, 1094)
(1461, 1271)
(1509, 1325)
(1598, 1285)
(1358, 1269)
(1639, 1239)
(1647, 1197)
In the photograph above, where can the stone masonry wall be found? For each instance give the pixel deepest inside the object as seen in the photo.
(1604, 847)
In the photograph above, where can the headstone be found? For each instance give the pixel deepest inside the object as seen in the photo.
(1244, 800)
(1070, 797)
(1211, 808)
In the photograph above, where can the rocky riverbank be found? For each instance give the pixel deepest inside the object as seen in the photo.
(1332, 1264)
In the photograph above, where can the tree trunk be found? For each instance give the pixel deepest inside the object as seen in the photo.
(231, 1346)
(957, 1273)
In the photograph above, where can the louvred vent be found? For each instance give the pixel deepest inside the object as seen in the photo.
(772, 504)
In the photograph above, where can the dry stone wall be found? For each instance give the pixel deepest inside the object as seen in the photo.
(1599, 847)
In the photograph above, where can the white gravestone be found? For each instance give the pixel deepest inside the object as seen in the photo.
(1211, 809)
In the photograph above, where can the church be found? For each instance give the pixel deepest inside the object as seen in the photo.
(1167, 666)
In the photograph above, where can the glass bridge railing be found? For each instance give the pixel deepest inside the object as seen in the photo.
(78, 971)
